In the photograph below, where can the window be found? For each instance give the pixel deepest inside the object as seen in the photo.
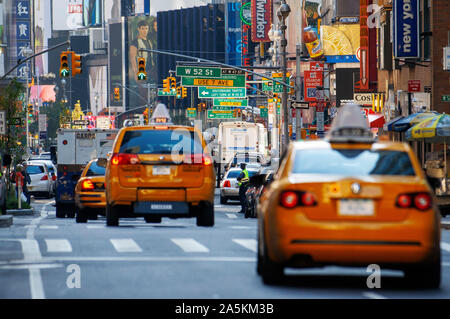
(34, 169)
(95, 170)
(352, 162)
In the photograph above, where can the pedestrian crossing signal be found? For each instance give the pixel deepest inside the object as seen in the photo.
(141, 75)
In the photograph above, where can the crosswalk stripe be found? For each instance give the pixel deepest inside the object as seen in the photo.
(190, 245)
(48, 227)
(445, 246)
(58, 246)
(247, 243)
(231, 215)
(124, 245)
(95, 226)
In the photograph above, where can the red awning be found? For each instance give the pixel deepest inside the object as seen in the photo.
(376, 120)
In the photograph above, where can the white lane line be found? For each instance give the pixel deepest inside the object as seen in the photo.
(241, 227)
(190, 245)
(95, 226)
(124, 245)
(147, 259)
(445, 246)
(231, 215)
(58, 246)
(247, 243)
(373, 295)
(48, 227)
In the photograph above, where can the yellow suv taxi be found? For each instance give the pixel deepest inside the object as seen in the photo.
(157, 171)
(350, 200)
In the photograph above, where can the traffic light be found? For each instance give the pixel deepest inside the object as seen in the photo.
(141, 74)
(183, 92)
(173, 83)
(235, 113)
(116, 94)
(76, 64)
(179, 92)
(64, 70)
(30, 109)
(146, 115)
(203, 106)
(166, 85)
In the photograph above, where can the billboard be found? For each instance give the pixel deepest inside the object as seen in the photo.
(340, 42)
(92, 12)
(142, 31)
(406, 29)
(233, 33)
(261, 20)
(67, 14)
(97, 88)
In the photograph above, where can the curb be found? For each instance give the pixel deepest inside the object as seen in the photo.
(20, 212)
(5, 221)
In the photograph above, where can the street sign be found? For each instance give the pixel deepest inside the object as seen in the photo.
(80, 122)
(162, 93)
(191, 112)
(221, 108)
(196, 71)
(214, 92)
(220, 114)
(263, 112)
(267, 86)
(413, 85)
(230, 102)
(224, 81)
(300, 105)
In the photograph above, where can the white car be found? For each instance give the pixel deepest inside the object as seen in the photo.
(41, 180)
(51, 170)
(229, 188)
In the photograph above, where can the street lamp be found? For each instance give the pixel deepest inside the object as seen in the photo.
(282, 13)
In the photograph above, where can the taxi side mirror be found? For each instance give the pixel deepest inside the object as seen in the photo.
(102, 162)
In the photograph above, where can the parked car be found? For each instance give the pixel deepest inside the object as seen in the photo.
(254, 191)
(41, 182)
(229, 188)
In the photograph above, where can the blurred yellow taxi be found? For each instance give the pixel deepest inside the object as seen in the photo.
(157, 171)
(349, 200)
(90, 191)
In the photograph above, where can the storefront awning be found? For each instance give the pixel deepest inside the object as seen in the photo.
(388, 125)
(376, 120)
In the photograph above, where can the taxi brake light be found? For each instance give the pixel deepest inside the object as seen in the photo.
(404, 201)
(87, 185)
(289, 199)
(124, 159)
(308, 199)
(422, 201)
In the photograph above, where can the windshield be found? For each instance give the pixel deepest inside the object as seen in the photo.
(352, 162)
(95, 170)
(160, 142)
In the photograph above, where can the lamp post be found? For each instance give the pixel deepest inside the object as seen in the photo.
(275, 36)
(282, 13)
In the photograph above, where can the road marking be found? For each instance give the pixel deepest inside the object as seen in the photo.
(58, 246)
(241, 227)
(373, 295)
(34, 266)
(147, 259)
(125, 246)
(95, 226)
(48, 227)
(231, 215)
(445, 246)
(247, 243)
(190, 245)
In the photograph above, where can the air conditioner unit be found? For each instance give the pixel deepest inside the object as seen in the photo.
(96, 43)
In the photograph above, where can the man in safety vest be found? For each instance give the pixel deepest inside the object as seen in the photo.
(243, 180)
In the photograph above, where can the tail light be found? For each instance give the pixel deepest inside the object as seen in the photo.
(54, 178)
(87, 185)
(421, 201)
(227, 183)
(124, 159)
(44, 178)
(198, 159)
(290, 199)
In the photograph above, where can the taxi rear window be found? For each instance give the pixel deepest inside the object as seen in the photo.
(177, 141)
(352, 162)
(95, 170)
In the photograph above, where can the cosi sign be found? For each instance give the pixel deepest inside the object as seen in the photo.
(261, 20)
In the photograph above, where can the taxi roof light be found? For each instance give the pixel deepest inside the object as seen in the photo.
(350, 126)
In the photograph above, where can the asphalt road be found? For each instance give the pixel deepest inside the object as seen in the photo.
(45, 257)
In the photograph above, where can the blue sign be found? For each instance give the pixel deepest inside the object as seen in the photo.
(406, 29)
(22, 47)
(341, 59)
(23, 30)
(233, 34)
(22, 9)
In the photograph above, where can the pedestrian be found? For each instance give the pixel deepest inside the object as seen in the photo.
(18, 179)
(27, 180)
(243, 180)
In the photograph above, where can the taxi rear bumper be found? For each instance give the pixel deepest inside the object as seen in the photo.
(91, 200)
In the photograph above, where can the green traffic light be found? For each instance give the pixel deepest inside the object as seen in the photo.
(65, 73)
(142, 76)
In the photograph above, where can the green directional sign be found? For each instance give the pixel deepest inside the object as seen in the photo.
(278, 87)
(220, 114)
(191, 112)
(221, 108)
(199, 71)
(267, 86)
(230, 102)
(263, 112)
(214, 92)
(232, 80)
(162, 93)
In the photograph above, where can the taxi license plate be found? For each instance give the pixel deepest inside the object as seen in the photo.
(161, 170)
(356, 207)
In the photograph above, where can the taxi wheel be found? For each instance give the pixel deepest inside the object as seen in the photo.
(82, 216)
(205, 215)
(271, 272)
(112, 215)
(425, 276)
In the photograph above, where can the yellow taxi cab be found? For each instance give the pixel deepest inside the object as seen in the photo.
(90, 191)
(160, 170)
(349, 200)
